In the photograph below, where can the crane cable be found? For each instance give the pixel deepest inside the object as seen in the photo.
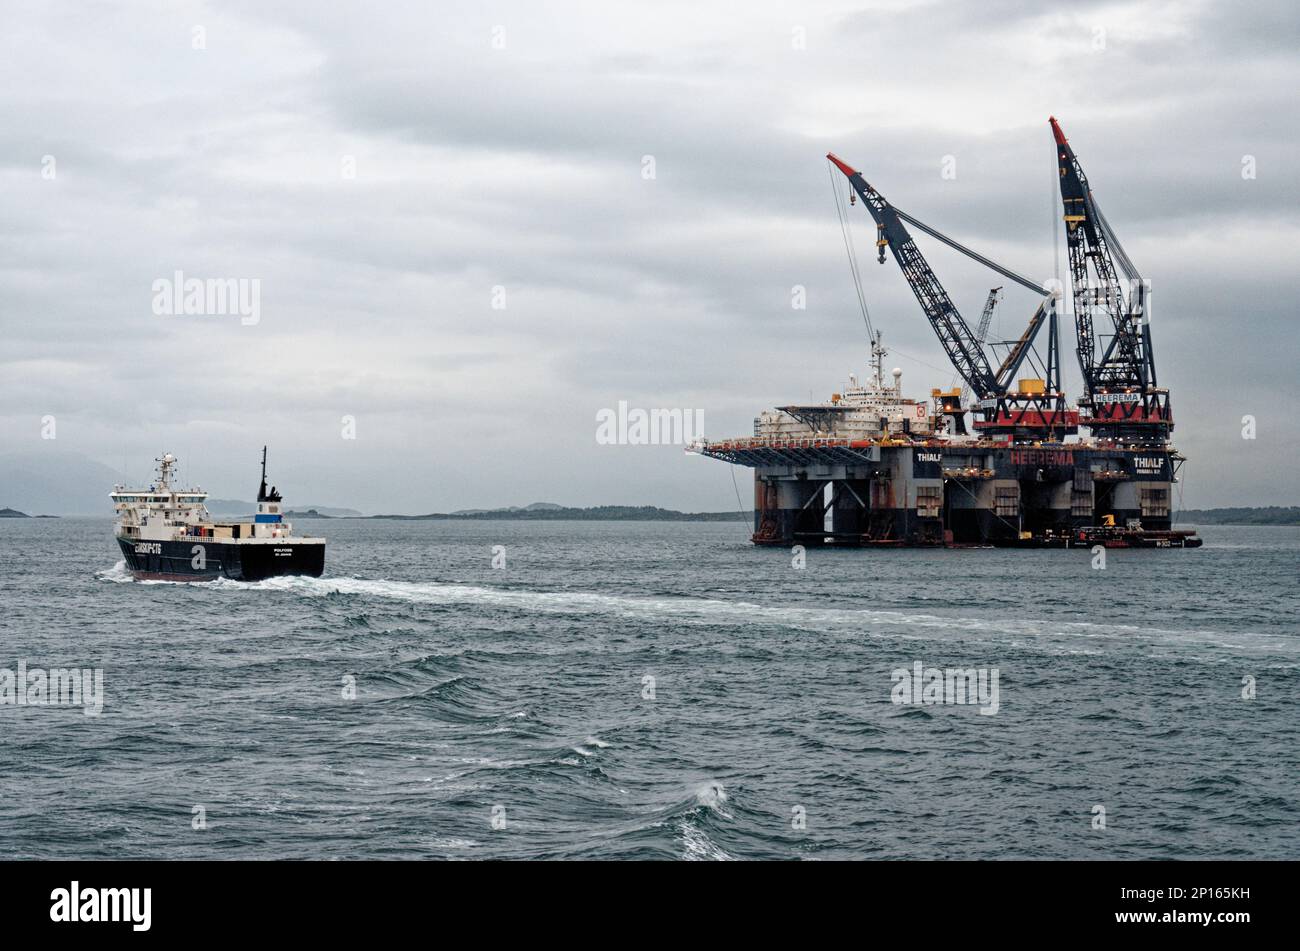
(842, 211)
(1130, 272)
(740, 506)
(849, 249)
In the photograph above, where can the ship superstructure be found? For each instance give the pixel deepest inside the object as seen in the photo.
(166, 533)
(871, 409)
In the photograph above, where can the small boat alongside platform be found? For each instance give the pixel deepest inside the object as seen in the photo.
(1109, 535)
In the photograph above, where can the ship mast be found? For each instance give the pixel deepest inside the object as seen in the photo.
(878, 359)
(262, 494)
(165, 463)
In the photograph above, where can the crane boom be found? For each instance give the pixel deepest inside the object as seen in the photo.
(965, 352)
(982, 331)
(1120, 385)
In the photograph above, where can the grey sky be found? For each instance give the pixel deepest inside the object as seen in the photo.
(521, 167)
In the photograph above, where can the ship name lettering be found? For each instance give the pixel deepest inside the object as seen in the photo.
(1042, 457)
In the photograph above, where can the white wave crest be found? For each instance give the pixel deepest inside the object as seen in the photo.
(117, 574)
(711, 794)
(698, 847)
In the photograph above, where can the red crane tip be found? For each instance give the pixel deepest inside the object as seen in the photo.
(843, 166)
(1056, 130)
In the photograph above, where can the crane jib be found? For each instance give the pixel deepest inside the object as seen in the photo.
(1100, 269)
(964, 350)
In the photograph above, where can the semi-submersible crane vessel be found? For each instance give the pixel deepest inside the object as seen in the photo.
(870, 467)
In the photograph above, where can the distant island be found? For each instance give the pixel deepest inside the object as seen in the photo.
(14, 513)
(548, 511)
(1268, 515)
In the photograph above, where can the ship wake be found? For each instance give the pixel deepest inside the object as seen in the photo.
(870, 622)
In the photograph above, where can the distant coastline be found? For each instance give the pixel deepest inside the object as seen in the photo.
(1278, 515)
(14, 513)
(1268, 515)
(545, 511)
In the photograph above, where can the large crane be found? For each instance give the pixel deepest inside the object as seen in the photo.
(982, 331)
(954, 334)
(1037, 413)
(1121, 395)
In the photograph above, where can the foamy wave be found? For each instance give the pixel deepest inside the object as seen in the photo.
(698, 847)
(117, 574)
(453, 843)
(712, 795)
(590, 746)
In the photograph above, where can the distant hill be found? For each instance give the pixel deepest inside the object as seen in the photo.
(546, 511)
(535, 507)
(13, 513)
(50, 479)
(1268, 515)
(229, 507)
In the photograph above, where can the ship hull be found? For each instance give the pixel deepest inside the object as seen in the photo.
(210, 560)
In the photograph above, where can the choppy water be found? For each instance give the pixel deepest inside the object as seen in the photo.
(521, 692)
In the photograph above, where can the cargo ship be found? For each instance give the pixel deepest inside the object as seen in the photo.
(166, 534)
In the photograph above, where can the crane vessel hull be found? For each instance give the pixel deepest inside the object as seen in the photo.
(871, 467)
(860, 493)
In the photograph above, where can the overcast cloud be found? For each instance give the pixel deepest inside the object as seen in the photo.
(521, 167)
